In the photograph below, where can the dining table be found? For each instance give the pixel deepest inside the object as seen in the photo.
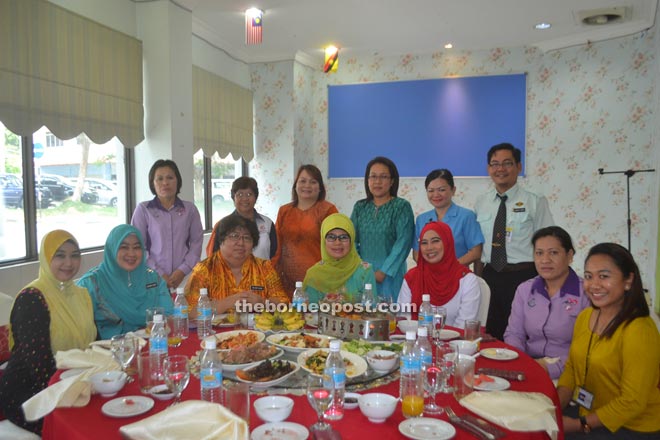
(89, 422)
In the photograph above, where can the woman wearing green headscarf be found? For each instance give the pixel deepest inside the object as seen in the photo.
(122, 287)
(50, 314)
(340, 270)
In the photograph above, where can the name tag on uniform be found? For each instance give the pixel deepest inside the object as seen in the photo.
(152, 285)
(584, 398)
(257, 288)
(518, 209)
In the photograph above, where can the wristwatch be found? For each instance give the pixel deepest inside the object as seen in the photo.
(585, 426)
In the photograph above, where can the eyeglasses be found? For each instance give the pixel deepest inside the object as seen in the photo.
(382, 177)
(235, 237)
(506, 164)
(244, 195)
(343, 238)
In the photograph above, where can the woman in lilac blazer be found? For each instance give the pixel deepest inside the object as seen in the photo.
(544, 309)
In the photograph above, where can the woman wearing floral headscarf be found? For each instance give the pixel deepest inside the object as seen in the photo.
(122, 287)
(439, 274)
(50, 314)
(340, 270)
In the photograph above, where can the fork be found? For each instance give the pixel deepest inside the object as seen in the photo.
(469, 426)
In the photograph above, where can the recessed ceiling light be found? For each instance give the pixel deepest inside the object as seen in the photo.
(448, 46)
(542, 26)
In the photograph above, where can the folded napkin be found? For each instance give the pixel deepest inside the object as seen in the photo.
(514, 410)
(73, 391)
(190, 419)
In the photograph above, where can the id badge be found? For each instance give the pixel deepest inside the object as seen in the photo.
(584, 398)
(509, 233)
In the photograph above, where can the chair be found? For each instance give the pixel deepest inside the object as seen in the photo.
(484, 302)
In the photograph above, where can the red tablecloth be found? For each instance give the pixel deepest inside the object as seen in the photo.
(90, 423)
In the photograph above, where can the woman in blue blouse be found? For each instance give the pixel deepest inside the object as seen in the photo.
(468, 239)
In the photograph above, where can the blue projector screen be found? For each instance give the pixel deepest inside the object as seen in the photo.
(425, 124)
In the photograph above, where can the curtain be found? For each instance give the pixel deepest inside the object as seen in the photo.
(69, 73)
(222, 116)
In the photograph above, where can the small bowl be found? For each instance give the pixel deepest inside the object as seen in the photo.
(108, 383)
(464, 346)
(351, 400)
(407, 324)
(382, 360)
(273, 408)
(377, 407)
(161, 392)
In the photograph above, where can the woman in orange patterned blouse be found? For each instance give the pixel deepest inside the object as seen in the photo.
(232, 273)
(298, 227)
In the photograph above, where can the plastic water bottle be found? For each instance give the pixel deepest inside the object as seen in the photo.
(335, 369)
(158, 344)
(181, 313)
(406, 352)
(204, 315)
(412, 385)
(368, 298)
(299, 299)
(423, 348)
(210, 373)
(425, 313)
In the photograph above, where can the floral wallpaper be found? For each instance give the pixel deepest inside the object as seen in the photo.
(588, 107)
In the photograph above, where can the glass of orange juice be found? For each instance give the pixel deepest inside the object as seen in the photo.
(412, 405)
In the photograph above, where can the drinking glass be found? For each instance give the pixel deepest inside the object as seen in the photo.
(439, 320)
(446, 356)
(177, 375)
(320, 397)
(463, 377)
(123, 349)
(432, 384)
(472, 329)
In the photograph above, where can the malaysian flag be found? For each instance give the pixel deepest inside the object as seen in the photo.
(253, 26)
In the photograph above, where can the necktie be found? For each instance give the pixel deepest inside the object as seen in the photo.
(498, 254)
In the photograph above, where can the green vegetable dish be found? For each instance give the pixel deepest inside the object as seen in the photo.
(362, 347)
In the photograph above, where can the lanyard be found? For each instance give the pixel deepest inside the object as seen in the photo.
(586, 362)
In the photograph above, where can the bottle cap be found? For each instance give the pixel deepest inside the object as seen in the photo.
(210, 343)
(426, 297)
(335, 345)
(179, 290)
(298, 284)
(203, 291)
(411, 335)
(422, 331)
(158, 318)
(367, 286)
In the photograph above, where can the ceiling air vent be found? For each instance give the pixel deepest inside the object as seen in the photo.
(602, 16)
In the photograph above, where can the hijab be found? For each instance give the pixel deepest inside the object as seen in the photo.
(70, 307)
(442, 279)
(124, 292)
(330, 274)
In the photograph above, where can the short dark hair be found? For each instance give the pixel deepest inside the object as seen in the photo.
(161, 163)
(441, 173)
(394, 174)
(244, 182)
(505, 146)
(229, 224)
(634, 303)
(557, 232)
(316, 175)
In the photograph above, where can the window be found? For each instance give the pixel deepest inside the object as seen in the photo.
(53, 141)
(12, 218)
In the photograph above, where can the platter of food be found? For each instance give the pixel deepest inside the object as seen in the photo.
(224, 320)
(297, 342)
(313, 361)
(484, 382)
(267, 373)
(244, 357)
(361, 347)
(236, 338)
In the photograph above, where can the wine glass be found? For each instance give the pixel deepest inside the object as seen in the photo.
(123, 349)
(319, 395)
(446, 356)
(177, 375)
(432, 384)
(439, 320)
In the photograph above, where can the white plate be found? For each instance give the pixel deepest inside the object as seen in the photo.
(446, 335)
(234, 367)
(358, 368)
(280, 431)
(72, 372)
(499, 354)
(276, 338)
(128, 406)
(351, 405)
(281, 379)
(230, 334)
(498, 384)
(157, 392)
(218, 321)
(142, 333)
(422, 428)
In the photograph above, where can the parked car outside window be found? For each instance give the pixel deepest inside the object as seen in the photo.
(12, 192)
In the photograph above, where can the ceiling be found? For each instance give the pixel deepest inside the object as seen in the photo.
(301, 28)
